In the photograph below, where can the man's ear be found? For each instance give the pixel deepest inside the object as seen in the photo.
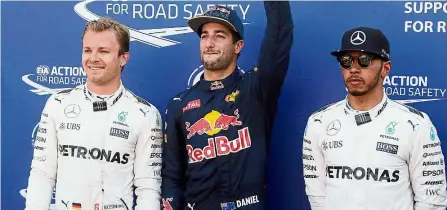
(124, 58)
(386, 68)
(238, 46)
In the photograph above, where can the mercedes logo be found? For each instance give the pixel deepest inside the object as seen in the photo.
(72, 110)
(358, 38)
(333, 128)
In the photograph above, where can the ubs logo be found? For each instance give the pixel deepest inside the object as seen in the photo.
(332, 144)
(73, 126)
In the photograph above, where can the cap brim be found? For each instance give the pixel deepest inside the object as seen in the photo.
(196, 22)
(340, 52)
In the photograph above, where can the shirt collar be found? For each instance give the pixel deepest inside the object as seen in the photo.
(363, 117)
(214, 85)
(102, 103)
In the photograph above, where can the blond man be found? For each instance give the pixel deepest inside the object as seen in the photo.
(98, 141)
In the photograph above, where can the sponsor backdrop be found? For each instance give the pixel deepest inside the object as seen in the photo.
(41, 54)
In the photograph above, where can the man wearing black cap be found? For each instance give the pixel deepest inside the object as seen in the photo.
(215, 151)
(368, 151)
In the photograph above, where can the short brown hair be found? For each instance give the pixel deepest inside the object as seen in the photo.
(104, 24)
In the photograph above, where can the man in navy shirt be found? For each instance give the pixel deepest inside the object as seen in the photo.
(218, 131)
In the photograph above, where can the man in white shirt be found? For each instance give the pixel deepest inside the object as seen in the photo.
(368, 151)
(98, 141)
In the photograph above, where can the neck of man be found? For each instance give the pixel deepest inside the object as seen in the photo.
(105, 88)
(212, 75)
(367, 101)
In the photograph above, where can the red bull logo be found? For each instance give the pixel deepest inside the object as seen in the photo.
(220, 146)
(216, 85)
(167, 203)
(221, 9)
(213, 123)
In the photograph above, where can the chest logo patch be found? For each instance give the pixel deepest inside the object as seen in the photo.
(119, 133)
(212, 123)
(333, 128)
(122, 116)
(391, 128)
(388, 148)
(232, 97)
(72, 110)
(192, 105)
(216, 85)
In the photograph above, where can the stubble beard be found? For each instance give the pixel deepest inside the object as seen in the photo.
(372, 86)
(219, 64)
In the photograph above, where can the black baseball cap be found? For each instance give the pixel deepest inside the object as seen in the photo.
(218, 14)
(365, 39)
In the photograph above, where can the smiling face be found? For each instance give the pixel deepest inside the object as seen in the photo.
(218, 48)
(101, 57)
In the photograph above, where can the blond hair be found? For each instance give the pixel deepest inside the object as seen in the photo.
(104, 24)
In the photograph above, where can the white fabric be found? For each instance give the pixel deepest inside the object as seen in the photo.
(384, 164)
(96, 157)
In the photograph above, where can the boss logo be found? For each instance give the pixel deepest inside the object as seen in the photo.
(388, 148)
(119, 133)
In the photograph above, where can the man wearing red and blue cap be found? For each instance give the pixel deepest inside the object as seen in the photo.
(368, 151)
(218, 131)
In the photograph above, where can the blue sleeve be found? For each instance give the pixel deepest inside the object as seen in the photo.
(274, 56)
(267, 79)
(174, 165)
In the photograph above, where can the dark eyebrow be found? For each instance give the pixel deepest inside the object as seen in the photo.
(216, 31)
(221, 31)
